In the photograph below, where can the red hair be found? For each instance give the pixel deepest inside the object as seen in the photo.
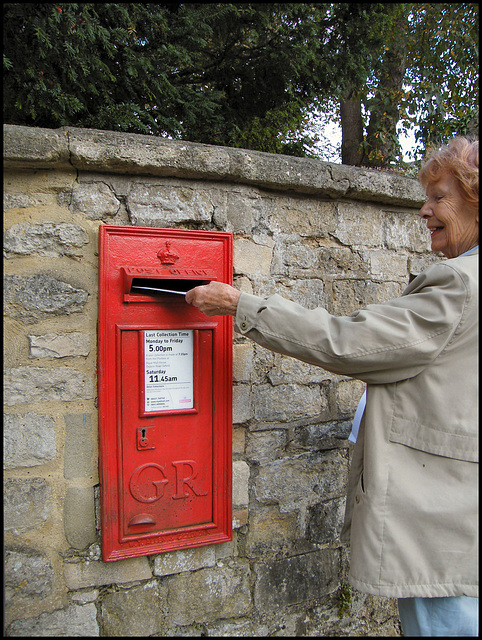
(459, 158)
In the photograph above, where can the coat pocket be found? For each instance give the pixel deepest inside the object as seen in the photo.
(450, 444)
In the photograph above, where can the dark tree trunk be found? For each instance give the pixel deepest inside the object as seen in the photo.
(382, 139)
(351, 131)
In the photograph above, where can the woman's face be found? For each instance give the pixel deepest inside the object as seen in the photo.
(453, 223)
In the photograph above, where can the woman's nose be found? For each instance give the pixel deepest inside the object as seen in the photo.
(425, 212)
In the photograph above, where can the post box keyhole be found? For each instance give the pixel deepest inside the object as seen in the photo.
(145, 438)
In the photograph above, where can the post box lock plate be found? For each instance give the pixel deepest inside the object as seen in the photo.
(145, 438)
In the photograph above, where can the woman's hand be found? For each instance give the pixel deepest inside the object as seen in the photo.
(214, 299)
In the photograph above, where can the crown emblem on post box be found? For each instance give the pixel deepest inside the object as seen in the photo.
(167, 256)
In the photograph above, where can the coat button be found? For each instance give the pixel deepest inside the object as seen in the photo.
(357, 499)
(244, 326)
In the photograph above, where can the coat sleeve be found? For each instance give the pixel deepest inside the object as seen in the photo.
(379, 344)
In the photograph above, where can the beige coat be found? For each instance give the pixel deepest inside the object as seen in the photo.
(412, 503)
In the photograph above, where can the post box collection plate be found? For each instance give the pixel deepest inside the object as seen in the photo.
(164, 392)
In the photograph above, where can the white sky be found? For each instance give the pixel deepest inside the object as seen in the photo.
(332, 132)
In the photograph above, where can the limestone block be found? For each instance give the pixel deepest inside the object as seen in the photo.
(165, 205)
(264, 360)
(120, 184)
(405, 230)
(348, 394)
(242, 627)
(227, 550)
(242, 409)
(209, 594)
(417, 263)
(96, 201)
(288, 401)
(390, 290)
(250, 258)
(239, 438)
(325, 521)
(304, 216)
(292, 253)
(360, 225)
(242, 361)
(246, 207)
(309, 292)
(294, 580)
(289, 370)
(39, 296)
(143, 154)
(28, 574)
(79, 517)
(240, 518)
(28, 440)
(84, 596)
(269, 531)
(172, 562)
(63, 345)
(34, 146)
(80, 446)
(17, 201)
(139, 611)
(286, 172)
(244, 284)
(26, 503)
(74, 620)
(385, 265)
(47, 239)
(79, 575)
(301, 480)
(340, 262)
(350, 296)
(264, 446)
(240, 483)
(327, 435)
(379, 186)
(36, 384)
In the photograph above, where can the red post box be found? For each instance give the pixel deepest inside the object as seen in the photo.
(165, 390)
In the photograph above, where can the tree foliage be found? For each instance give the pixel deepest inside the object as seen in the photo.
(443, 75)
(245, 75)
(426, 79)
(231, 74)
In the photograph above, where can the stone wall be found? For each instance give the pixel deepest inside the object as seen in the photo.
(318, 233)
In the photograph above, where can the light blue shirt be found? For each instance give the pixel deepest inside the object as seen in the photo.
(357, 419)
(469, 251)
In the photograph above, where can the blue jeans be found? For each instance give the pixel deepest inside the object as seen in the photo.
(458, 616)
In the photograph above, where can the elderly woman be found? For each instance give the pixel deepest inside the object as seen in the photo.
(411, 514)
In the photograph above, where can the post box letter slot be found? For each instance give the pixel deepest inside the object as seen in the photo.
(154, 286)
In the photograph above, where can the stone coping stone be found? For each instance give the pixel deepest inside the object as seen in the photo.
(129, 153)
